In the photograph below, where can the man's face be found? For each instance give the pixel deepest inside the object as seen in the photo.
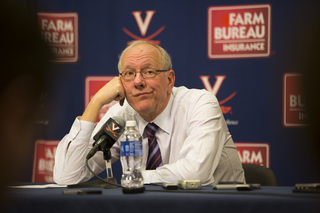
(148, 97)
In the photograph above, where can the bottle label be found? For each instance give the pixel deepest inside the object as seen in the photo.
(131, 148)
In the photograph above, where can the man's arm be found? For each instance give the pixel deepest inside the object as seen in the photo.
(113, 90)
(72, 150)
(201, 148)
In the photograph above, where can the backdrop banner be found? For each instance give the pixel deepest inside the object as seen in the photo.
(246, 52)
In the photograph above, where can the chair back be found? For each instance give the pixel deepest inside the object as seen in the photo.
(259, 174)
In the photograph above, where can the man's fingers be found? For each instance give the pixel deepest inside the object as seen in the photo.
(121, 101)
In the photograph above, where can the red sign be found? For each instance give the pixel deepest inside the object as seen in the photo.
(254, 153)
(239, 31)
(43, 161)
(294, 101)
(60, 31)
(92, 85)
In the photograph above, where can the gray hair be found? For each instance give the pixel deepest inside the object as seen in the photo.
(166, 59)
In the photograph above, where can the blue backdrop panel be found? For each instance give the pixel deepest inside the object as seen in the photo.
(256, 109)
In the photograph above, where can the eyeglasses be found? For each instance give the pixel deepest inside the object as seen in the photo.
(129, 75)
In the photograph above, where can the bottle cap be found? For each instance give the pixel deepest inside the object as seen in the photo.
(131, 123)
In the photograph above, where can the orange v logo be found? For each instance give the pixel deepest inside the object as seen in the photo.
(215, 88)
(143, 27)
(114, 127)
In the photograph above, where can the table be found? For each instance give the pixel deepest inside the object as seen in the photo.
(155, 199)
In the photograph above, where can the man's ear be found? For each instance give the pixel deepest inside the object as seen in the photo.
(171, 79)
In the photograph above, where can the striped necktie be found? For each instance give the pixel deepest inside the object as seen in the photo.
(154, 157)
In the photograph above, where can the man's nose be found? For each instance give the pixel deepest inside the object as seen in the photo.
(139, 80)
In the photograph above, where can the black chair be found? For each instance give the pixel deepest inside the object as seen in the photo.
(259, 174)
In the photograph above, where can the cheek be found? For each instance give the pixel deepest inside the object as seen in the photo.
(126, 87)
(128, 90)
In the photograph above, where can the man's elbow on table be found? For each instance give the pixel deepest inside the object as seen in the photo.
(68, 178)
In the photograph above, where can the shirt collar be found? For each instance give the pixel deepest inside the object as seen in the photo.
(163, 120)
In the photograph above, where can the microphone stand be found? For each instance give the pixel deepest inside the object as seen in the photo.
(109, 178)
(100, 183)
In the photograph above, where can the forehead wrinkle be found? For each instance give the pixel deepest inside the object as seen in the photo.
(141, 53)
(146, 65)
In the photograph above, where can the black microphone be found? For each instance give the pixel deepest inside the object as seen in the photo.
(107, 135)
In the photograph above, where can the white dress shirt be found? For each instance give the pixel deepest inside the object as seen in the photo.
(193, 137)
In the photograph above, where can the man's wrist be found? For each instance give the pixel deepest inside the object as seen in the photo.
(91, 112)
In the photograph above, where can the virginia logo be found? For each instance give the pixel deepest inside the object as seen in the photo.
(115, 127)
(115, 134)
(215, 89)
(143, 27)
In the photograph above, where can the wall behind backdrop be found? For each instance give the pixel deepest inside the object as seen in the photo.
(249, 53)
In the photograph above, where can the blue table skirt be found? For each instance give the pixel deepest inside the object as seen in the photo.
(155, 199)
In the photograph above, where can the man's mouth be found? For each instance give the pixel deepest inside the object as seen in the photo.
(141, 94)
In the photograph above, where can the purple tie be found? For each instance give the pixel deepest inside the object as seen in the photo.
(154, 157)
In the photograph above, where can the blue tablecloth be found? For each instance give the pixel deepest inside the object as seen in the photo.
(156, 199)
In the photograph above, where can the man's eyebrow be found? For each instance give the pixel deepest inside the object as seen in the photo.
(128, 67)
(147, 64)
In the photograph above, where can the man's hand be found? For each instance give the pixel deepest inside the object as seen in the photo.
(113, 90)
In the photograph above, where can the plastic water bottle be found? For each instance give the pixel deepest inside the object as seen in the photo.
(131, 159)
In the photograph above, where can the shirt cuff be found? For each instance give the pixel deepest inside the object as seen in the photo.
(150, 176)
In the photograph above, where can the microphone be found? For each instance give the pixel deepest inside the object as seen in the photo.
(107, 135)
